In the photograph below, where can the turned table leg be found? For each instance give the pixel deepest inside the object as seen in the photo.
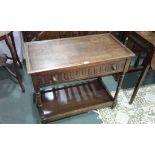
(39, 103)
(38, 100)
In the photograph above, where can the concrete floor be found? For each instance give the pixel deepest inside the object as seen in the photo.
(19, 108)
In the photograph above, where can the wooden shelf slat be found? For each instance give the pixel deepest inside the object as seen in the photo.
(75, 99)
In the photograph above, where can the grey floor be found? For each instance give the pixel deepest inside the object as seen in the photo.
(19, 108)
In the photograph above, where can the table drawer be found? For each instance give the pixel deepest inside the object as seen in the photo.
(79, 73)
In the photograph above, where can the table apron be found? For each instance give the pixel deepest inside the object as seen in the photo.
(49, 78)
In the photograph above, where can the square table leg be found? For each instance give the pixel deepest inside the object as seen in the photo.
(139, 83)
(120, 82)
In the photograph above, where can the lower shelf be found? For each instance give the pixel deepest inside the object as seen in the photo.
(74, 99)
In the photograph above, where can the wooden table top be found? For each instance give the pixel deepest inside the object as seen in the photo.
(70, 52)
(150, 37)
(147, 35)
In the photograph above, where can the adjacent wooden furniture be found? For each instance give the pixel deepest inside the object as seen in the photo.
(150, 38)
(142, 43)
(7, 36)
(59, 61)
(146, 41)
(46, 35)
(120, 35)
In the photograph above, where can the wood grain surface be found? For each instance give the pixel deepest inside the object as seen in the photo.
(69, 52)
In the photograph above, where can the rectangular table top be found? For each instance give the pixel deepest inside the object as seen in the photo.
(70, 52)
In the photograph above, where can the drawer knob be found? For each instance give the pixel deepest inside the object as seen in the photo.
(114, 68)
(55, 78)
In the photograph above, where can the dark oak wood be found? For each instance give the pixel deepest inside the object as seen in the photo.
(146, 41)
(74, 100)
(140, 42)
(72, 59)
(120, 82)
(73, 52)
(9, 40)
(48, 35)
(140, 81)
(120, 35)
(149, 37)
(13, 43)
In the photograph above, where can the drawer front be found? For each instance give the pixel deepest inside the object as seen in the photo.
(48, 78)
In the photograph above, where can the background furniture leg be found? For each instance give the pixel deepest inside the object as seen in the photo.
(140, 81)
(120, 82)
(13, 43)
(10, 46)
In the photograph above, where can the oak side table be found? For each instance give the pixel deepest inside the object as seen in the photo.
(56, 63)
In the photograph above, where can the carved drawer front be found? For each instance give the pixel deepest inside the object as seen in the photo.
(80, 73)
